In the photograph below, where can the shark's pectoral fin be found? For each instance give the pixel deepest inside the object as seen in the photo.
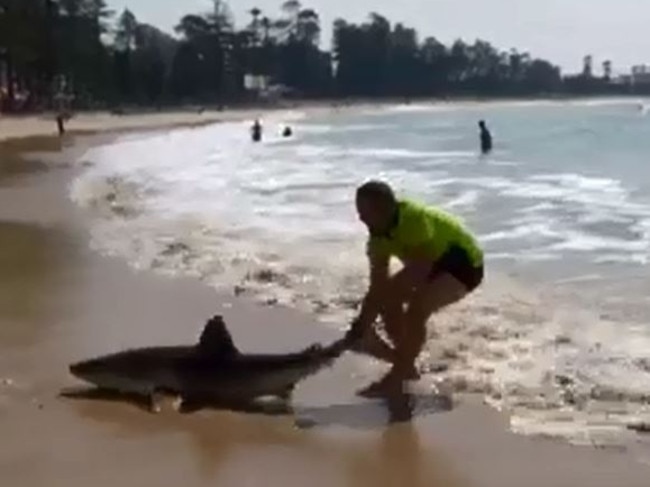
(160, 400)
(177, 404)
(286, 394)
(216, 340)
(274, 405)
(283, 408)
(191, 405)
(156, 399)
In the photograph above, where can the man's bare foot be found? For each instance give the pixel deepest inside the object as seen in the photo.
(392, 383)
(382, 387)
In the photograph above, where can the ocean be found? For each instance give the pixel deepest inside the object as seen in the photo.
(559, 333)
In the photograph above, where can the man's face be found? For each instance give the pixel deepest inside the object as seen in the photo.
(373, 215)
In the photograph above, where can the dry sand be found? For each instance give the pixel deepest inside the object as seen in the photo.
(45, 125)
(60, 302)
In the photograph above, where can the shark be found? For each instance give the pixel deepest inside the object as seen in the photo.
(212, 371)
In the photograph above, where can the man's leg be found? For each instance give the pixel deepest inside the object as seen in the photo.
(408, 330)
(442, 291)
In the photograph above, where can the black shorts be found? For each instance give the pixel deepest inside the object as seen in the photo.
(457, 263)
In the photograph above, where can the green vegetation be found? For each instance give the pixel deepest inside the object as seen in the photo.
(53, 50)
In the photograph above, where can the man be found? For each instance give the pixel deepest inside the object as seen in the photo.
(486, 138)
(442, 263)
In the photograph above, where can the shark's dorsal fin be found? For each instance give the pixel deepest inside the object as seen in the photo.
(216, 340)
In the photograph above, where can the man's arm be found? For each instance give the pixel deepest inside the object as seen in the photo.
(413, 274)
(370, 306)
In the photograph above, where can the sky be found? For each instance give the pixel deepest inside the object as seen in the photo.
(562, 31)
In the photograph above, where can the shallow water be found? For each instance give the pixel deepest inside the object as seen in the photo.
(559, 333)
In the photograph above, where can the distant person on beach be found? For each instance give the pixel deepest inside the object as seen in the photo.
(62, 107)
(256, 131)
(442, 263)
(486, 138)
(287, 132)
(60, 123)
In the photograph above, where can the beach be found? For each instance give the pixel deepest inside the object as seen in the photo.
(62, 301)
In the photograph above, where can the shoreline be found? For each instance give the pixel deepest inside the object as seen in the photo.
(64, 302)
(104, 123)
(13, 126)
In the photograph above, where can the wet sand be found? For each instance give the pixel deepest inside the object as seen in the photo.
(60, 302)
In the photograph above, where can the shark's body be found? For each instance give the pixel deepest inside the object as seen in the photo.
(211, 371)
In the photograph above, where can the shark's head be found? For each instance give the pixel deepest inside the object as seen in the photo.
(86, 370)
(103, 372)
(142, 369)
(131, 371)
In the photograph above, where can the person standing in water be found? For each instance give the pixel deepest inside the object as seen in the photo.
(442, 263)
(256, 131)
(486, 138)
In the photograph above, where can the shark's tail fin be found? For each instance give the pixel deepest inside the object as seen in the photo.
(336, 349)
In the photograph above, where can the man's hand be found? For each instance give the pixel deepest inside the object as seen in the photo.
(356, 331)
(370, 304)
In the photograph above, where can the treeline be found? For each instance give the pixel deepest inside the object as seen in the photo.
(80, 51)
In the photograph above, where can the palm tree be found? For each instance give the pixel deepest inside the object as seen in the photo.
(587, 66)
(291, 8)
(126, 29)
(607, 70)
(308, 26)
(266, 26)
(255, 23)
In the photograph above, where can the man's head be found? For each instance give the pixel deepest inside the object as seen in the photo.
(481, 124)
(376, 205)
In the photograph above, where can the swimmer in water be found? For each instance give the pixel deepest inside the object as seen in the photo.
(442, 263)
(256, 131)
(486, 138)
